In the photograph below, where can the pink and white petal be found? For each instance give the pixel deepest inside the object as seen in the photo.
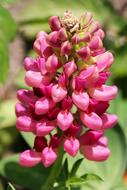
(29, 158)
(109, 120)
(96, 152)
(92, 120)
(105, 93)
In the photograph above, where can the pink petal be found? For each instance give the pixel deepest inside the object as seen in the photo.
(96, 152)
(43, 105)
(104, 61)
(48, 156)
(92, 120)
(29, 158)
(58, 93)
(90, 137)
(25, 123)
(81, 100)
(33, 79)
(104, 93)
(45, 128)
(64, 120)
(109, 120)
(71, 146)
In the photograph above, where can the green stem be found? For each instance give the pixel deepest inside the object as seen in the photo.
(54, 173)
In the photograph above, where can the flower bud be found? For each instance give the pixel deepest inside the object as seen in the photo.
(58, 93)
(54, 23)
(65, 48)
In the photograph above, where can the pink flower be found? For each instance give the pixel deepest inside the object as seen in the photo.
(68, 92)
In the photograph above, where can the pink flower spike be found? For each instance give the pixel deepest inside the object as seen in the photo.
(65, 48)
(25, 123)
(64, 120)
(44, 128)
(70, 68)
(29, 158)
(48, 156)
(81, 100)
(104, 93)
(109, 120)
(33, 79)
(43, 105)
(95, 152)
(104, 61)
(58, 93)
(92, 120)
(54, 23)
(71, 146)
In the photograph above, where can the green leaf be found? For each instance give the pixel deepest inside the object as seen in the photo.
(112, 170)
(31, 178)
(6, 32)
(7, 113)
(78, 181)
(75, 167)
(29, 138)
(10, 187)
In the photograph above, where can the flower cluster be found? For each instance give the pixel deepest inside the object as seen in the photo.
(68, 101)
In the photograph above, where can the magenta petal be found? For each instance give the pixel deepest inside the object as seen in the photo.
(44, 128)
(43, 105)
(104, 61)
(64, 120)
(71, 146)
(33, 79)
(92, 120)
(90, 137)
(29, 158)
(58, 93)
(25, 123)
(105, 93)
(81, 100)
(48, 156)
(109, 120)
(96, 152)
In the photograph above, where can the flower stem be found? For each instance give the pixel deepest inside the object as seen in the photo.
(54, 173)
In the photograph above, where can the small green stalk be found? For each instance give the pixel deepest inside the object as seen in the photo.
(54, 173)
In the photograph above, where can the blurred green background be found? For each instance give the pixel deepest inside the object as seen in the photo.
(20, 20)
